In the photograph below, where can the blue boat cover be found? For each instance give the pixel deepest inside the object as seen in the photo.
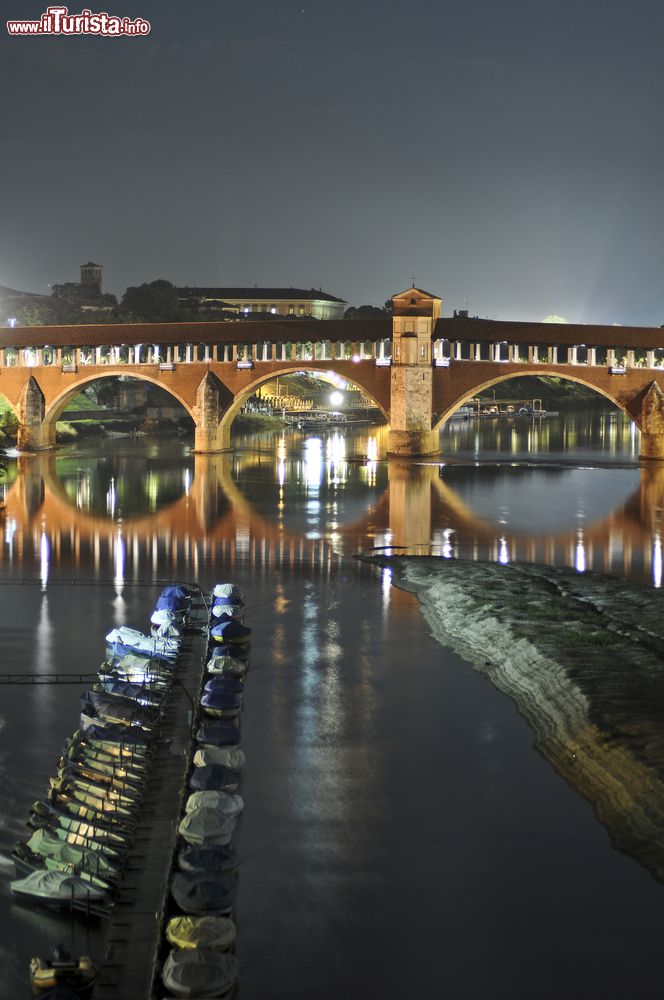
(235, 600)
(223, 701)
(169, 602)
(219, 733)
(224, 682)
(213, 776)
(230, 631)
(198, 892)
(213, 858)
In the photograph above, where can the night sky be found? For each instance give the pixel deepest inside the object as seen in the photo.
(508, 154)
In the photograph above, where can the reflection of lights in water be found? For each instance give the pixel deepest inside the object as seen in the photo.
(111, 498)
(83, 494)
(313, 462)
(657, 561)
(44, 640)
(387, 588)
(336, 457)
(281, 472)
(44, 555)
(242, 539)
(152, 490)
(446, 548)
(503, 552)
(580, 556)
(372, 449)
(10, 530)
(119, 577)
(186, 481)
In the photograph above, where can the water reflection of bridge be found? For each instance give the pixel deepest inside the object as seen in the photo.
(214, 522)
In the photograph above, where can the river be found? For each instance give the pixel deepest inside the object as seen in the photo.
(401, 836)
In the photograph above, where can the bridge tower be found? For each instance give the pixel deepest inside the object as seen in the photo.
(413, 314)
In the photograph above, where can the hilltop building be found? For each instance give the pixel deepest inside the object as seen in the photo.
(86, 293)
(310, 303)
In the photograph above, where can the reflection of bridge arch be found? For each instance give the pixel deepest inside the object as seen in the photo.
(60, 401)
(536, 372)
(309, 368)
(417, 509)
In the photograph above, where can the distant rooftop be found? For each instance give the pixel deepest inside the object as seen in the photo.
(90, 264)
(276, 294)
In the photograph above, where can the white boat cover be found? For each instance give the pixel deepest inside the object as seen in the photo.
(223, 664)
(200, 973)
(231, 610)
(185, 933)
(227, 756)
(138, 640)
(225, 803)
(166, 617)
(227, 590)
(207, 826)
(56, 887)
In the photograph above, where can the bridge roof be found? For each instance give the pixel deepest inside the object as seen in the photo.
(565, 334)
(240, 332)
(257, 331)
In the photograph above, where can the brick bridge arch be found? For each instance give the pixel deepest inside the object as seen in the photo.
(466, 393)
(54, 408)
(309, 368)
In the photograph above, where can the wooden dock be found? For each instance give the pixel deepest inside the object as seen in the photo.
(129, 968)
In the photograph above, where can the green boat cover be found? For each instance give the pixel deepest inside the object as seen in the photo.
(223, 802)
(47, 845)
(185, 933)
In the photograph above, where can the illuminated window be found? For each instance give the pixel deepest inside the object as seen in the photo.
(291, 310)
(423, 350)
(301, 310)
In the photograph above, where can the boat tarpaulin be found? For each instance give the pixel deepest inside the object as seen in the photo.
(223, 802)
(200, 973)
(227, 756)
(56, 887)
(204, 892)
(217, 933)
(208, 858)
(206, 826)
(213, 776)
(219, 733)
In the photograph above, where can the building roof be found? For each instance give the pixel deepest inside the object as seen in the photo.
(90, 264)
(564, 334)
(276, 294)
(407, 291)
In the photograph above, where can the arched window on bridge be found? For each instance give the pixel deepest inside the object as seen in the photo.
(284, 350)
(11, 357)
(304, 350)
(86, 355)
(244, 352)
(345, 349)
(322, 350)
(49, 355)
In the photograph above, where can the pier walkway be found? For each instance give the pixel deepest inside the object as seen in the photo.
(129, 968)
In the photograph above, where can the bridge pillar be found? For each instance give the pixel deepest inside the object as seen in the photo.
(411, 386)
(33, 433)
(652, 424)
(210, 434)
